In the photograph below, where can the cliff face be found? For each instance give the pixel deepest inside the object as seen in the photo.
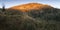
(31, 6)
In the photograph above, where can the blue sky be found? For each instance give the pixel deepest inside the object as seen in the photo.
(10, 3)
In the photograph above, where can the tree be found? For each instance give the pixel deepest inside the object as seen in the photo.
(3, 8)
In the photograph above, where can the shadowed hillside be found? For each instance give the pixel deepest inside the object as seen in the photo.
(25, 22)
(46, 14)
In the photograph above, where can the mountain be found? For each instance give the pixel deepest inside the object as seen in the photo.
(30, 6)
(37, 17)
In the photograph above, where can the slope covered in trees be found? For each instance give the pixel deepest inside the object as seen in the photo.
(32, 20)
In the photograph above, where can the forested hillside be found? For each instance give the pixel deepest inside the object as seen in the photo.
(46, 19)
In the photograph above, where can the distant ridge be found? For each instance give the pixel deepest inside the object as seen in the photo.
(30, 6)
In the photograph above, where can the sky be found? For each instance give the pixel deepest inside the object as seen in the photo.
(11, 3)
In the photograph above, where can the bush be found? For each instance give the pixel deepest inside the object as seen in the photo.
(15, 20)
(49, 14)
(21, 23)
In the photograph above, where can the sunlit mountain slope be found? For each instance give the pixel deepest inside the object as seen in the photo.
(30, 6)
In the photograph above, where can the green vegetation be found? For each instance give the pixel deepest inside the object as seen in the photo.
(32, 20)
(49, 14)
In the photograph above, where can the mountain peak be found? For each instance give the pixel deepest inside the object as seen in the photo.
(30, 6)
